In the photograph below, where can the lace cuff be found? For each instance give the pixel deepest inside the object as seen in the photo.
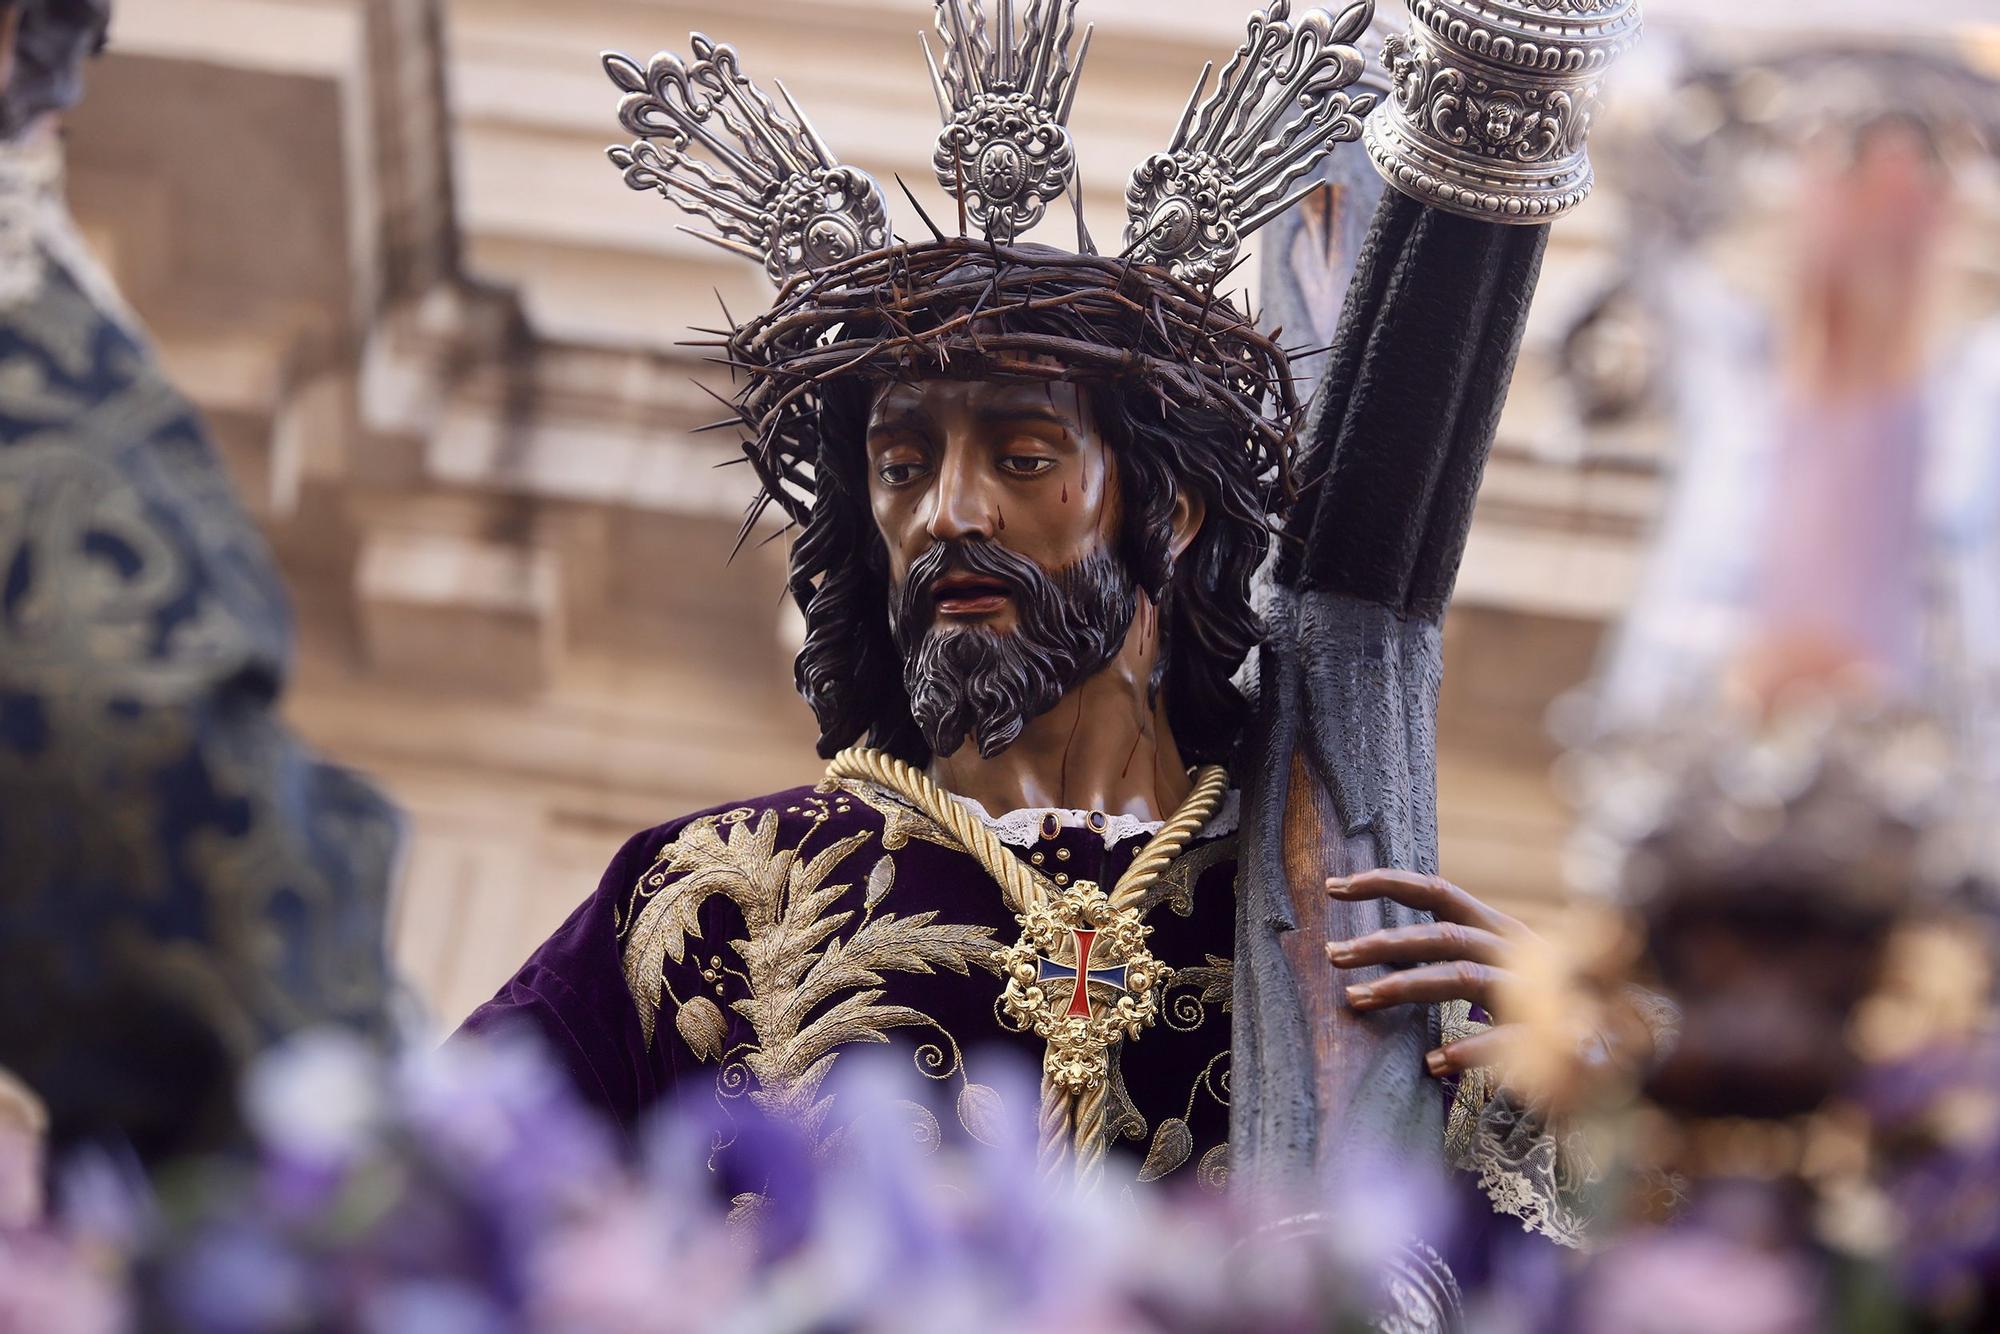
(1528, 1168)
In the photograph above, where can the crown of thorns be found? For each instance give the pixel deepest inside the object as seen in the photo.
(967, 309)
(857, 302)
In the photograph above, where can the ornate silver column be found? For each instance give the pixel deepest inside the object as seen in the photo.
(1492, 101)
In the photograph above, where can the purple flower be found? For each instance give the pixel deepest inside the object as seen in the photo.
(502, 1121)
(468, 1191)
(317, 1099)
(1692, 1282)
(631, 1266)
(240, 1279)
(433, 1307)
(1937, 1119)
(105, 1203)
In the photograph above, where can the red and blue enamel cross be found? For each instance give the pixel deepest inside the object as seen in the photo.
(1083, 974)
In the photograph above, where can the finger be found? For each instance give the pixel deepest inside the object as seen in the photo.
(1463, 980)
(1426, 893)
(1480, 1050)
(1430, 943)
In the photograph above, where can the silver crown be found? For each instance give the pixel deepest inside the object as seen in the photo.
(777, 194)
(1005, 97)
(1454, 134)
(1279, 107)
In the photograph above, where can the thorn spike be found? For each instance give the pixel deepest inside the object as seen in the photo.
(911, 196)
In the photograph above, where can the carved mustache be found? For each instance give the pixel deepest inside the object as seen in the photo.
(1033, 590)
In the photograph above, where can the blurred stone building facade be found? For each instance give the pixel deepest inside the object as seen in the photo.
(436, 338)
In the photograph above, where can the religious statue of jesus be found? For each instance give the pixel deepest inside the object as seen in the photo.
(1031, 490)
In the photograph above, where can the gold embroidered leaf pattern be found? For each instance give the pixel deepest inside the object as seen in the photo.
(703, 860)
(809, 990)
(1175, 887)
(888, 943)
(800, 1092)
(1455, 1022)
(881, 879)
(1212, 1172)
(860, 1017)
(746, 1213)
(702, 1027)
(923, 1124)
(1215, 980)
(900, 823)
(1122, 1118)
(1173, 1142)
(981, 1113)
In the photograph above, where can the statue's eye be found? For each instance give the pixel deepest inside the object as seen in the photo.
(899, 472)
(1026, 465)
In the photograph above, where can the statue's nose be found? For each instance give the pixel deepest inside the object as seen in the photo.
(961, 500)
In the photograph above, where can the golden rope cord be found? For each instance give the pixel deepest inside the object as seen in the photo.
(1210, 783)
(1068, 1124)
(1018, 885)
(1088, 1138)
(1052, 1139)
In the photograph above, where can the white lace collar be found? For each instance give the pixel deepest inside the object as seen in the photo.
(1021, 829)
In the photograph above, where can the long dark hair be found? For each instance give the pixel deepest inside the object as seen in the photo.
(850, 671)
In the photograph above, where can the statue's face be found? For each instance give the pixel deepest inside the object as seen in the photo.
(1015, 463)
(997, 503)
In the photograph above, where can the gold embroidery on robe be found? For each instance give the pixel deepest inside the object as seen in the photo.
(1185, 1005)
(810, 989)
(900, 823)
(1461, 1119)
(1173, 1142)
(1175, 887)
(1212, 1172)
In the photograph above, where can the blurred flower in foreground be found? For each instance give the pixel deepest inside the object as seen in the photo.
(467, 1191)
(1693, 1279)
(48, 1286)
(57, 1279)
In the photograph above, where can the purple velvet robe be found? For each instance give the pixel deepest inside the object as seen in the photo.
(745, 949)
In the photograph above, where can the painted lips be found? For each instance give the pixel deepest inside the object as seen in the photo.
(969, 595)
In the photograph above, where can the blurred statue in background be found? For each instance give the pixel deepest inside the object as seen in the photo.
(1815, 1148)
(1786, 765)
(1029, 488)
(180, 880)
(1835, 518)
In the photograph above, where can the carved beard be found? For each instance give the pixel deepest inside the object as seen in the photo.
(988, 684)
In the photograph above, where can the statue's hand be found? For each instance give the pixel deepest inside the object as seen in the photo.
(1469, 953)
